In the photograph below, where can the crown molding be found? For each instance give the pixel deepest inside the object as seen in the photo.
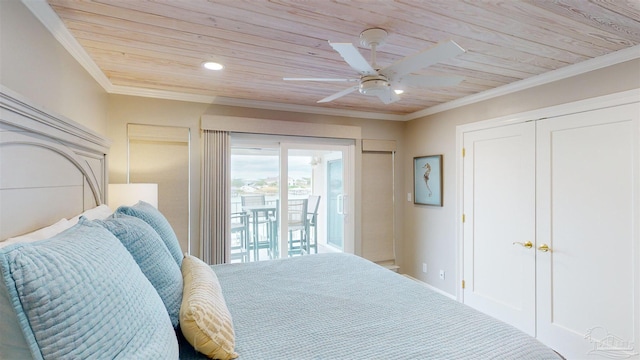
(266, 105)
(161, 94)
(43, 12)
(600, 62)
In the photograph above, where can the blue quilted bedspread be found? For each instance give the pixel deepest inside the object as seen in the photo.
(339, 306)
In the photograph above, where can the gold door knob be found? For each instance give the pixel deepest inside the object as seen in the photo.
(527, 244)
(544, 248)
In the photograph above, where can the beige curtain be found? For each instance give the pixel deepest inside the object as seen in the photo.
(216, 197)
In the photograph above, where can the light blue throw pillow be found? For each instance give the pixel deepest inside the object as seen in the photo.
(153, 257)
(158, 222)
(81, 295)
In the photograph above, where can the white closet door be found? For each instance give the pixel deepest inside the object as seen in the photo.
(499, 207)
(588, 215)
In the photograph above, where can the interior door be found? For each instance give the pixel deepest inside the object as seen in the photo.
(588, 216)
(499, 227)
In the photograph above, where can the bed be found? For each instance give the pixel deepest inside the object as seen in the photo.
(340, 306)
(92, 282)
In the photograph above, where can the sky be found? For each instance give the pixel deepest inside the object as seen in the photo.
(252, 167)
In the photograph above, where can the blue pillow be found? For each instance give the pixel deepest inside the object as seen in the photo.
(13, 345)
(158, 222)
(81, 295)
(152, 256)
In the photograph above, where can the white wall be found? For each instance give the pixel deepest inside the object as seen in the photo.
(36, 66)
(430, 232)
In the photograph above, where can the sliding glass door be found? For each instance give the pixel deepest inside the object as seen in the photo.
(306, 183)
(335, 203)
(331, 183)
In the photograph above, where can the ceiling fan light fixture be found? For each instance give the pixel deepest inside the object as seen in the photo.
(211, 65)
(373, 85)
(398, 91)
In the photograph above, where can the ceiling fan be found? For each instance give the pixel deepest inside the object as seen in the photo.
(387, 82)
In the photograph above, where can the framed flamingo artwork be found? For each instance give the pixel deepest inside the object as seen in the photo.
(427, 180)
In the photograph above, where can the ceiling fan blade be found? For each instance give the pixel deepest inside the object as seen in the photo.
(353, 57)
(320, 79)
(422, 59)
(388, 96)
(339, 94)
(426, 81)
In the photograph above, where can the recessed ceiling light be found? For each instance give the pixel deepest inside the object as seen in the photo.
(398, 91)
(212, 65)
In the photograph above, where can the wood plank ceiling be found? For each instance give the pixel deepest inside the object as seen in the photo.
(161, 44)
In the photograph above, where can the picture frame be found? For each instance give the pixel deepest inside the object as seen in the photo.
(427, 180)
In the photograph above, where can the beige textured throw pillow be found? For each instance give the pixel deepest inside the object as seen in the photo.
(205, 320)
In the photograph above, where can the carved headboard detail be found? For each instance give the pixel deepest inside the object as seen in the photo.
(50, 166)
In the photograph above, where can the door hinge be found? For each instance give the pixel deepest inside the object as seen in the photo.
(464, 152)
(463, 284)
(464, 218)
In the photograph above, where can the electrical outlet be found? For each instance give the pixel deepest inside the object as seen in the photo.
(441, 274)
(409, 197)
(424, 268)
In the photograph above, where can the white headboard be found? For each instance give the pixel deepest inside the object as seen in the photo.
(50, 166)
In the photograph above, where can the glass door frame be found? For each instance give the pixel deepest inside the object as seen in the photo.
(348, 175)
(335, 209)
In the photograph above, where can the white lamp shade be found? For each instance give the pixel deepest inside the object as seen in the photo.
(130, 194)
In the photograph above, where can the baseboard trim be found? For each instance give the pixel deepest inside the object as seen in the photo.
(431, 287)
